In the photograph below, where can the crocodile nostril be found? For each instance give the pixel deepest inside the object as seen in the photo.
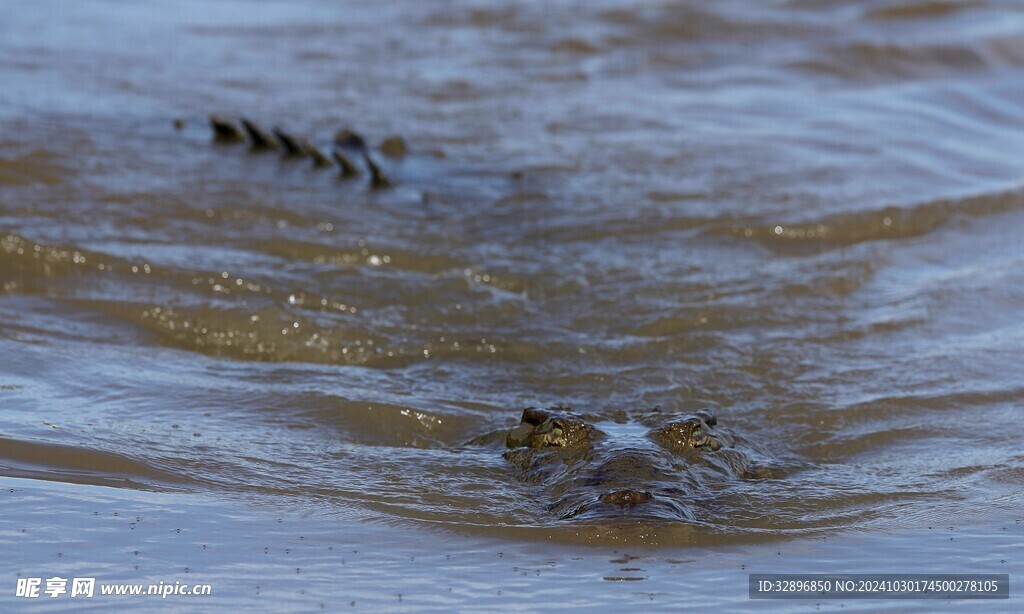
(626, 497)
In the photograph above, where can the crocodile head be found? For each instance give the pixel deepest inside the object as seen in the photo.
(625, 469)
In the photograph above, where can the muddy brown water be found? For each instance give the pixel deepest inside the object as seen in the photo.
(806, 216)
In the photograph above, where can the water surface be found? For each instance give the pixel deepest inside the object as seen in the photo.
(803, 215)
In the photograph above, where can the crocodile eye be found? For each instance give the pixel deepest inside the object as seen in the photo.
(556, 432)
(697, 434)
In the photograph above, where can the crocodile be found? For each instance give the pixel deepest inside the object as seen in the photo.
(656, 467)
(347, 144)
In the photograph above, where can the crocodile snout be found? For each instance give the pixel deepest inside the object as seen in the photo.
(627, 497)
